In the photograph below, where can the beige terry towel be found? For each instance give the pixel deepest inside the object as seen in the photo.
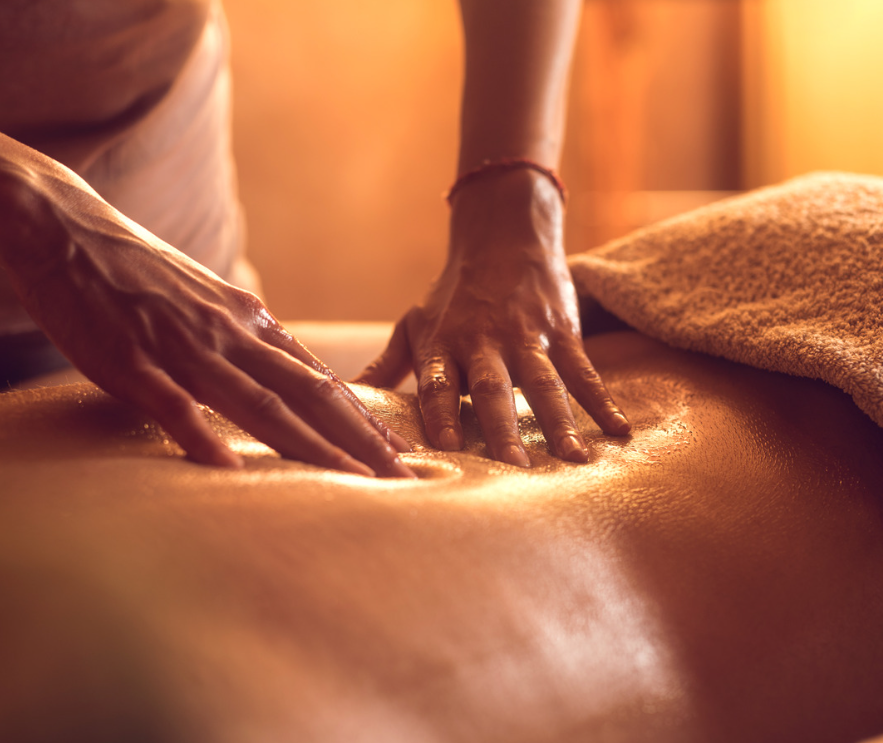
(787, 278)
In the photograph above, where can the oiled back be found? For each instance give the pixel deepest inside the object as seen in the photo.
(716, 577)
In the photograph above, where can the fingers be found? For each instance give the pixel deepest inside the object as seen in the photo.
(285, 388)
(392, 366)
(263, 414)
(547, 397)
(491, 390)
(585, 384)
(438, 389)
(545, 383)
(302, 413)
(280, 338)
(177, 412)
(336, 435)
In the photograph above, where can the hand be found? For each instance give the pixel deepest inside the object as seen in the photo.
(154, 328)
(503, 312)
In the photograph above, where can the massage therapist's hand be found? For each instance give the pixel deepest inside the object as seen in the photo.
(502, 313)
(156, 329)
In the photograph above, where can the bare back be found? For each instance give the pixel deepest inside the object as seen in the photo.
(717, 577)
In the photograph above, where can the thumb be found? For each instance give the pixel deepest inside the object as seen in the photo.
(393, 365)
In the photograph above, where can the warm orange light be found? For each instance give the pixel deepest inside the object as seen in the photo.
(345, 131)
(812, 87)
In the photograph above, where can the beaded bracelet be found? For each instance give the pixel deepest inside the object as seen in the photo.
(504, 164)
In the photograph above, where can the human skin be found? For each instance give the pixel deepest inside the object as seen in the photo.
(137, 316)
(716, 576)
(154, 328)
(503, 311)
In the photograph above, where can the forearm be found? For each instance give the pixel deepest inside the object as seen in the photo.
(518, 55)
(47, 211)
(23, 223)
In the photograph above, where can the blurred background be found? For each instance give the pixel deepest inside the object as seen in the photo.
(345, 127)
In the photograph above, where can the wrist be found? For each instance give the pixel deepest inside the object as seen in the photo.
(509, 211)
(490, 168)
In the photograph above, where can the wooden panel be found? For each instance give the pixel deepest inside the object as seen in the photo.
(345, 132)
(654, 107)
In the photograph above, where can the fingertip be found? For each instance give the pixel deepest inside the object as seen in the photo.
(203, 446)
(618, 424)
(355, 467)
(399, 469)
(233, 460)
(398, 442)
(449, 439)
(571, 449)
(217, 456)
(516, 456)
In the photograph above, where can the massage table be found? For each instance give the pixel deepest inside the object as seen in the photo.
(715, 576)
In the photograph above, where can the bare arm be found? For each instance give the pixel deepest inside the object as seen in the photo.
(504, 311)
(518, 54)
(155, 328)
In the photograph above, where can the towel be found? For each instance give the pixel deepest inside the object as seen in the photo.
(787, 278)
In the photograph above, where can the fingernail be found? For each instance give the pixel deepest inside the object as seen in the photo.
(621, 425)
(571, 449)
(515, 456)
(448, 440)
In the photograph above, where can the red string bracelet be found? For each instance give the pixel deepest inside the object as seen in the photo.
(502, 165)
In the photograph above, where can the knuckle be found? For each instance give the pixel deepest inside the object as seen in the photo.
(562, 425)
(504, 431)
(264, 402)
(587, 375)
(535, 349)
(438, 417)
(249, 300)
(325, 388)
(439, 410)
(433, 385)
(254, 313)
(546, 382)
(489, 385)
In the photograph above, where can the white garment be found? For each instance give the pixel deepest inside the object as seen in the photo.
(173, 171)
